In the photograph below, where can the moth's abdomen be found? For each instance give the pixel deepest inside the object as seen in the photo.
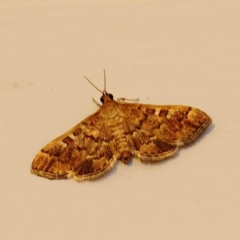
(116, 127)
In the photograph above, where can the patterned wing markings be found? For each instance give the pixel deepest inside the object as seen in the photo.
(85, 152)
(149, 147)
(117, 132)
(174, 124)
(155, 132)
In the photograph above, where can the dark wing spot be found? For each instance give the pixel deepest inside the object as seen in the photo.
(86, 167)
(150, 110)
(163, 113)
(67, 140)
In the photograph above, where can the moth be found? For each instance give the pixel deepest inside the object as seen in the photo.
(119, 131)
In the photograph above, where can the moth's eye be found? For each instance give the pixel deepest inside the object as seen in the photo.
(110, 95)
(102, 99)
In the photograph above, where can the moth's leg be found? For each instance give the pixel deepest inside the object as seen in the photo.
(96, 102)
(126, 99)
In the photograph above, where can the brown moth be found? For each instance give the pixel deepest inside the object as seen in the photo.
(119, 131)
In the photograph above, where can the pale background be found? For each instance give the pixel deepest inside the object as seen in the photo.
(164, 52)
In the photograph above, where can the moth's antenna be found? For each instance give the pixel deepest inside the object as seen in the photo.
(104, 80)
(93, 85)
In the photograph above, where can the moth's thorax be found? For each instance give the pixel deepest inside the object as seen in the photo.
(110, 108)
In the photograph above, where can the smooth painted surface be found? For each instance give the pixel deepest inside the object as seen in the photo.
(164, 52)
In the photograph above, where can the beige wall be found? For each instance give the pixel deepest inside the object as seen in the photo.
(164, 52)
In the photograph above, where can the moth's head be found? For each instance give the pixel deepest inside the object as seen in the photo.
(106, 96)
